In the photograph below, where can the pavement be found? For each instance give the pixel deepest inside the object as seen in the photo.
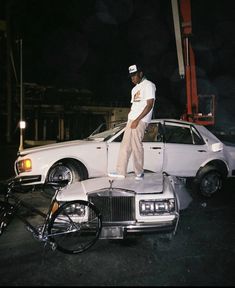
(202, 253)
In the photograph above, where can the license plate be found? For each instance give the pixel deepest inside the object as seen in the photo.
(112, 233)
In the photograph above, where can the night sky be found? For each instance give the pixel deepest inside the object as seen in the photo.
(89, 44)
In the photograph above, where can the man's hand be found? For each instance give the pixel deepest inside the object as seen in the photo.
(134, 124)
(146, 110)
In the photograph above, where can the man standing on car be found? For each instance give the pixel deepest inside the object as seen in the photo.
(142, 99)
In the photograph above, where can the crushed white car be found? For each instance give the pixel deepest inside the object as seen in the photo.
(132, 206)
(173, 146)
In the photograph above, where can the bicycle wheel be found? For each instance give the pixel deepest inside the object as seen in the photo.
(75, 226)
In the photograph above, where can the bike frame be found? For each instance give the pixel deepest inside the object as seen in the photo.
(40, 233)
(72, 227)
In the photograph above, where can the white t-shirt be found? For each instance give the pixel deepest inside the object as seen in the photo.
(139, 95)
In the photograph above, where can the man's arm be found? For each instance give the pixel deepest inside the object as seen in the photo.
(146, 110)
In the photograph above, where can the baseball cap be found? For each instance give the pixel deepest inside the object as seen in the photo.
(133, 69)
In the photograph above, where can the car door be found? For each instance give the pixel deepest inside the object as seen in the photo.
(113, 146)
(185, 150)
(153, 150)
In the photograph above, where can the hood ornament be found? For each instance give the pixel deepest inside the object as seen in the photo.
(111, 184)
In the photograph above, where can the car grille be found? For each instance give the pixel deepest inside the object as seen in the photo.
(114, 208)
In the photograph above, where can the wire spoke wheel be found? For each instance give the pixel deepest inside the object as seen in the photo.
(69, 170)
(60, 172)
(75, 226)
(57, 173)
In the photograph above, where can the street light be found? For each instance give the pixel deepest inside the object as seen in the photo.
(22, 127)
(22, 122)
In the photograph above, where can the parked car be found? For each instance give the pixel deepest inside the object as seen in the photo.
(173, 146)
(130, 206)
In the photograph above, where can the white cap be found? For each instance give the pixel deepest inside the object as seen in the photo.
(133, 69)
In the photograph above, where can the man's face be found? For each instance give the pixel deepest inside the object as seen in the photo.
(136, 78)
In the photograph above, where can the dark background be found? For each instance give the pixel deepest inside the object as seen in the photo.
(88, 45)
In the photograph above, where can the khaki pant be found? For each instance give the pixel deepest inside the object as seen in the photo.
(132, 143)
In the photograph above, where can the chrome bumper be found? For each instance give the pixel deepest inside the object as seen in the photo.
(27, 180)
(120, 231)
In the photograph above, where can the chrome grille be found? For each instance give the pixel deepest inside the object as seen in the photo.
(114, 208)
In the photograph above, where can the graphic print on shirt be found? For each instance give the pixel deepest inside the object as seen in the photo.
(137, 96)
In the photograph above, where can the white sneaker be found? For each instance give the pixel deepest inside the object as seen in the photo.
(139, 176)
(115, 175)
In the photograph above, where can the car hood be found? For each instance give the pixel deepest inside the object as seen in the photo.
(152, 183)
(54, 146)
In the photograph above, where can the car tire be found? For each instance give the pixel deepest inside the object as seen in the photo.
(208, 182)
(68, 169)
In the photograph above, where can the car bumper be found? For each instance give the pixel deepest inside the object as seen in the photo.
(120, 231)
(28, 180)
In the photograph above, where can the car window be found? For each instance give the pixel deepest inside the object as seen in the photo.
(152, 133)
(175, 134)
(119, 137)
(107, 134)
(197, 139)
(185, 134)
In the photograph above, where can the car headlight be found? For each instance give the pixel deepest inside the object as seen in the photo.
(24, 165)
(154, 207)
(77, 209)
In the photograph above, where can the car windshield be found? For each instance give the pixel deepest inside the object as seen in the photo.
(107, 134)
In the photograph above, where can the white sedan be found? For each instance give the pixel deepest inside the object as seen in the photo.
(173, 146)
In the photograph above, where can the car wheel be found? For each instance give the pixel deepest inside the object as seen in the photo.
(209, 181)
(70, 170)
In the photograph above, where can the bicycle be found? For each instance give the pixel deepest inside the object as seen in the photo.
(71, 227)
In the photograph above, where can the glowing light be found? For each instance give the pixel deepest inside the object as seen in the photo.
(22, 124)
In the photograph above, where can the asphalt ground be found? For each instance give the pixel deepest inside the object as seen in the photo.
(202, 253)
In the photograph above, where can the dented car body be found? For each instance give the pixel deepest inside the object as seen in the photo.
(132, 206)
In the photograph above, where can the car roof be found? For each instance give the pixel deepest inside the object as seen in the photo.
(174, 120)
